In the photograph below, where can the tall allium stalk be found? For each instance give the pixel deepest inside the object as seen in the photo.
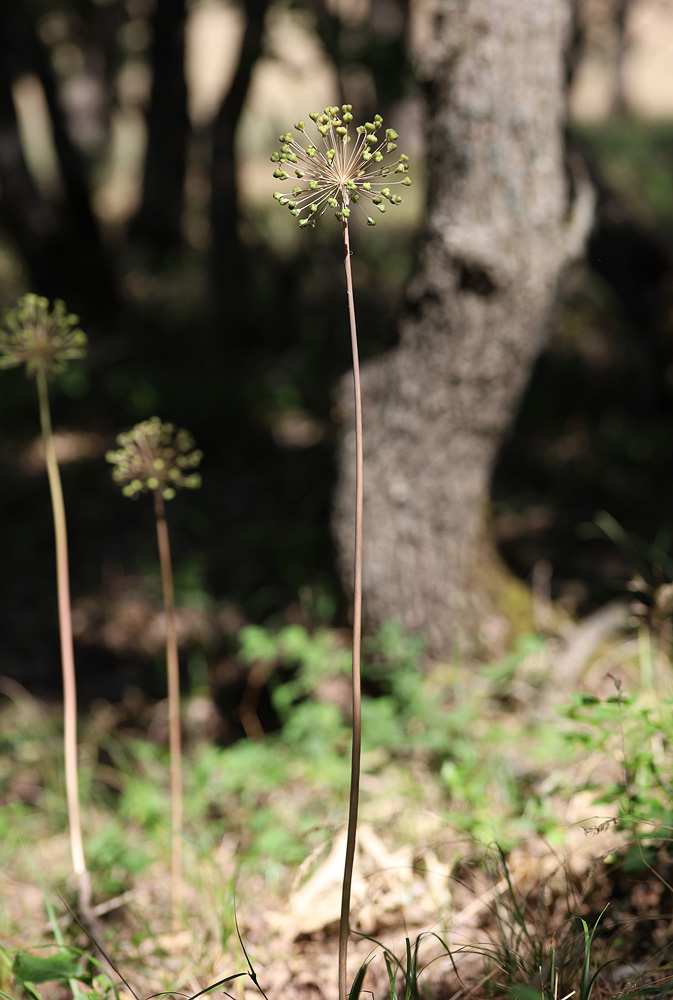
(337, 171)
(44, 341)
(158, 459)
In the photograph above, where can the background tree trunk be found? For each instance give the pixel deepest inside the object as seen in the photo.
(230, 271)
(499, 231)
(158, 220)
(60, 243)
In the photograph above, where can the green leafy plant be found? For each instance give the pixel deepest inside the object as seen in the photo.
(336, 172)
(45, 339)
(636, 733)
(155, 458)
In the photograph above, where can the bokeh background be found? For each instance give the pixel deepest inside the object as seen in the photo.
(136, 185)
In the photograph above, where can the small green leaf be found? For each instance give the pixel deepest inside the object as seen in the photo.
(61, 967)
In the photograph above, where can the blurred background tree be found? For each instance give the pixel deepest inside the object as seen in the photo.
(135, 184)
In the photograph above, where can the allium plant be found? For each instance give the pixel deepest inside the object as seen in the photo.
(156, 458)
(344, 166)
(44, 340)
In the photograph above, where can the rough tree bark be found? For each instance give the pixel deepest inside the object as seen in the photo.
(500, 228)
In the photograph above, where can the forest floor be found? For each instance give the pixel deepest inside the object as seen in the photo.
(517, 830)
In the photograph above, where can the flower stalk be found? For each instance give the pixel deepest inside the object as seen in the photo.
(67, 648)
(44, 340)
(338, 171)
(153, 457)
(356, 687)
(173, 674)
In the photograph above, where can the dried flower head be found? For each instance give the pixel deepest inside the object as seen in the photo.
(36, 336)
(339, 174)
(155, 457)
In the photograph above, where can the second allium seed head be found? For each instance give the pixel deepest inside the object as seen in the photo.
(335, 171)
(155, 457)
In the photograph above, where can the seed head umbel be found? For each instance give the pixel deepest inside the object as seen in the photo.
(36, 336)
(155, 458)
(343, 166)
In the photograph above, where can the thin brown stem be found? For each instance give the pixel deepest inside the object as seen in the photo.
(174, 735)
(344, 923)
(67, 650)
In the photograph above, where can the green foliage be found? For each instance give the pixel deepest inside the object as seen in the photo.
(409, 716)
(636, 733)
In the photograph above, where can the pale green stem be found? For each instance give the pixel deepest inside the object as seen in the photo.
(67, 650)
(174, 735)
(344, 923)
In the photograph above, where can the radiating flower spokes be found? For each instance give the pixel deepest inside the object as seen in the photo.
(340, 174)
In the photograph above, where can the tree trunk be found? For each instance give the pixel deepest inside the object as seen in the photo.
(158, 220)
(60, 244)
(31, 224)
(499, 231)
(228, 258)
